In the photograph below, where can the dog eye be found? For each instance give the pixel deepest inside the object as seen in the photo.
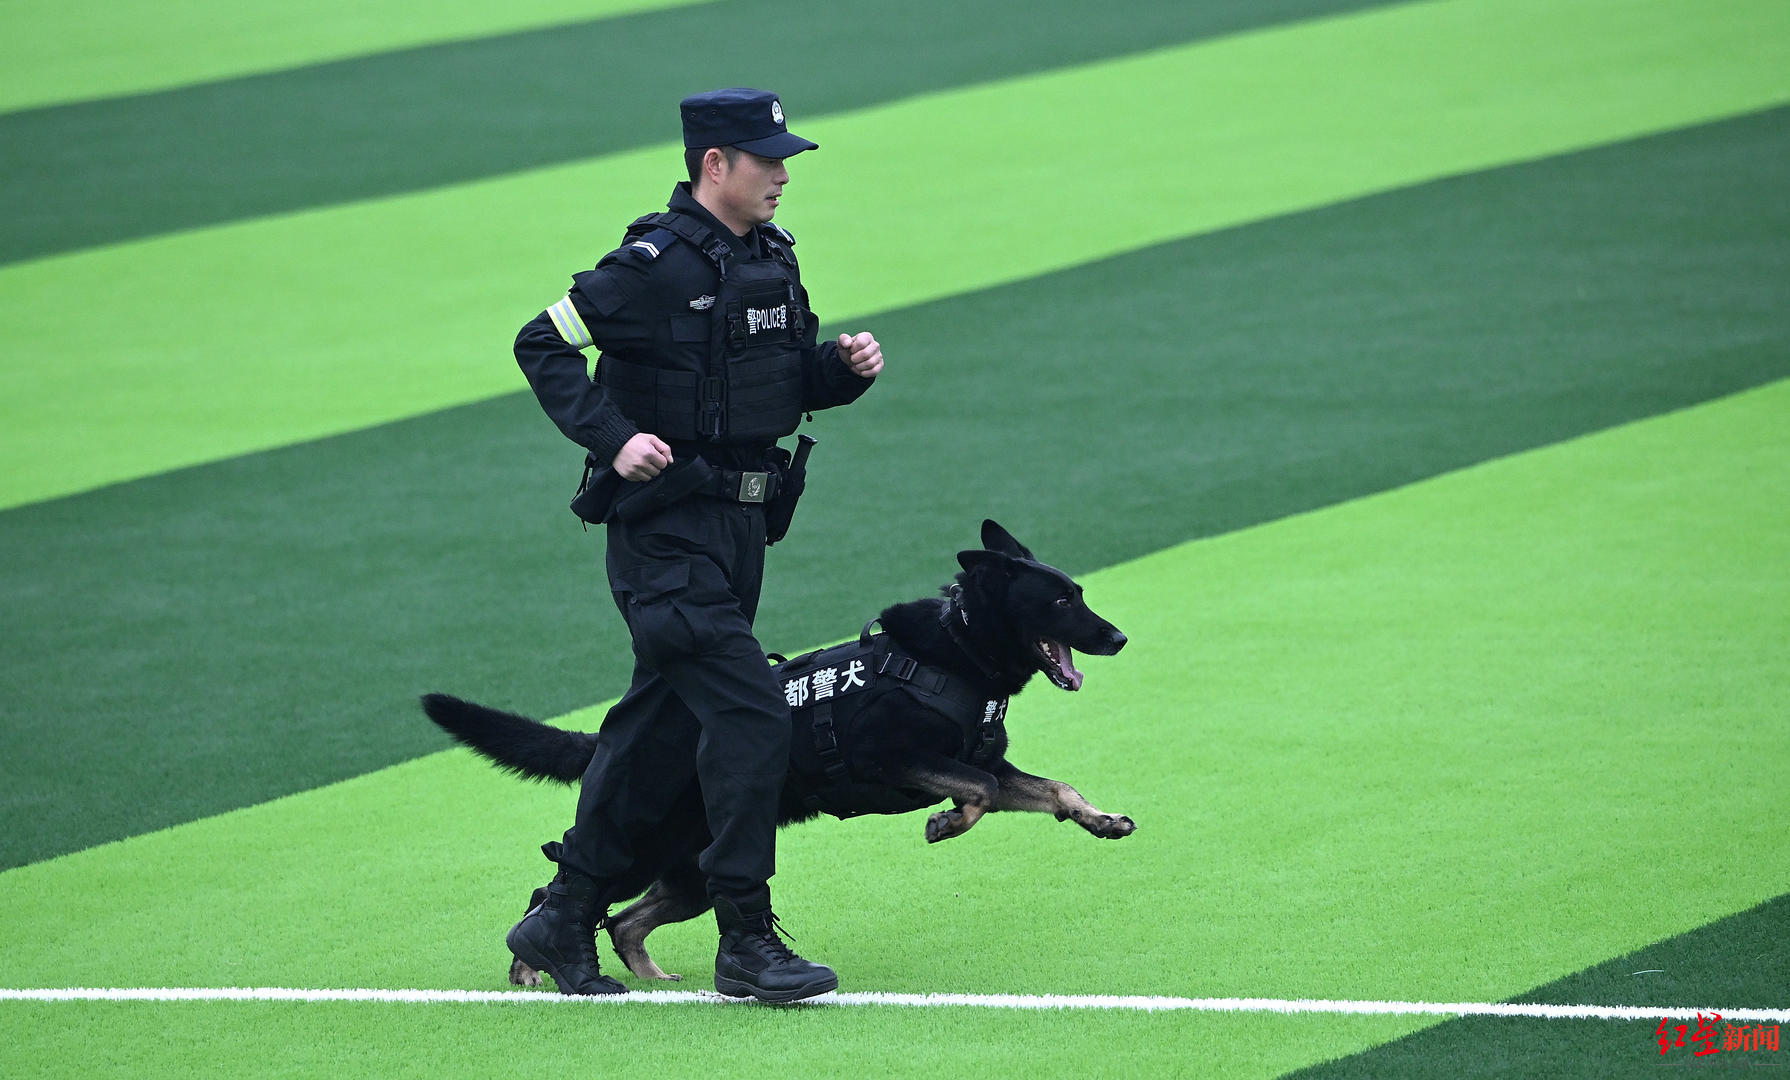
(1063, 601)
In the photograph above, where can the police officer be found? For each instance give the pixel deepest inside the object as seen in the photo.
(708, 355)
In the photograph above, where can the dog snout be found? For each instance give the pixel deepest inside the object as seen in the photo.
(1116, 639)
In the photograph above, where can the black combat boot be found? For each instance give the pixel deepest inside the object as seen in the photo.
(754, 961)
(559, 936)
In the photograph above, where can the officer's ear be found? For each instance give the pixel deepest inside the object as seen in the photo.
(715, 161)
(994, 560)
(995, 538)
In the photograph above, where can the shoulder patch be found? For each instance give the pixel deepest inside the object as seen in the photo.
(643, 248)
(651, 243)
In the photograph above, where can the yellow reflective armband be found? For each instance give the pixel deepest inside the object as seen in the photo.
(569, 324)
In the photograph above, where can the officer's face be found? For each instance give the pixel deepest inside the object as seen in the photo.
(751, 186)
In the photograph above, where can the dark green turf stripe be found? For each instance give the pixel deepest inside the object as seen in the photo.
(1737, 962)
(203, 639)
(92, 173)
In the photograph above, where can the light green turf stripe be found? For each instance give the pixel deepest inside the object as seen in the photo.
(259, 334)
(1443, 743)
(54, 52)
(436, 1042)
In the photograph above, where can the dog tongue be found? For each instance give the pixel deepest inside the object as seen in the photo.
(1066, 661)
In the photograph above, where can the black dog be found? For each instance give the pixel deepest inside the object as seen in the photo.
(890, 723)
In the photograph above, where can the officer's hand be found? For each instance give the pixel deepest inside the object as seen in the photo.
(861, 354)
(642, 457)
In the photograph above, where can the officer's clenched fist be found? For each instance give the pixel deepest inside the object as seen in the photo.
(862, 354)
(644, 456)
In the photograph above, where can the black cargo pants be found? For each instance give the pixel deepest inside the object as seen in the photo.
(703, 703)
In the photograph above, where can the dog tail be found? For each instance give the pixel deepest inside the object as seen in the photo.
(515, 744)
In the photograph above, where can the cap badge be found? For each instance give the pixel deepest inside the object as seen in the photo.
(777, 110)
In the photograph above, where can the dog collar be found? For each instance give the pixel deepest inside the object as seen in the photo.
(955, 619)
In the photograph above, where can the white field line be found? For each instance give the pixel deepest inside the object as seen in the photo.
(987, 1001)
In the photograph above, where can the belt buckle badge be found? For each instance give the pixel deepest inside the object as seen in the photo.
(753, 485)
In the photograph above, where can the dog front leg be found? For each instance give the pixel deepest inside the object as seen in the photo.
(1023, 791)
(970, 788)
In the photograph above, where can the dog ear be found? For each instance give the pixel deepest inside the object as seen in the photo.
(971, 559)
(995, 538)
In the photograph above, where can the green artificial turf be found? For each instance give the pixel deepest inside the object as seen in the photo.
(54, 52)
(105, 171)
(311, 1040)
(1741, 958)
(1448, 742)
(266, 622)
(260, 334)
(1463, 736)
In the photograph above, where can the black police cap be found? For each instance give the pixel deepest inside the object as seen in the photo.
(749, 119)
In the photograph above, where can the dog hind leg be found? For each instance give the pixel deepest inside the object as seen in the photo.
(520, 973)
(682, 893)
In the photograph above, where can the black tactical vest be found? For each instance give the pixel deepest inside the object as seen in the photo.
(750, 387)
(828, 689)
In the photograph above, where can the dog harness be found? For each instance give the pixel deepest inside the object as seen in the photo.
(828, 689)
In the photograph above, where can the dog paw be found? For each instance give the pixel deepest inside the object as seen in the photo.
(642, 966)
(523, 975)
(943, 826)
(1111, 826)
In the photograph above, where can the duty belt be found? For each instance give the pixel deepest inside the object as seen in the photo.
(741, 485)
